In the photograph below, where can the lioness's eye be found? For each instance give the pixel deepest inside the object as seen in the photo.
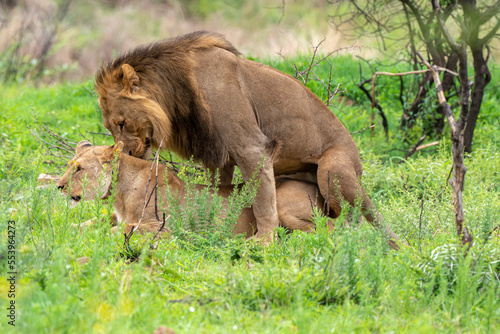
(78, 169)
(121, 125)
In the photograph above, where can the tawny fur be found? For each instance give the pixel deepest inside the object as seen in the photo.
(224, 110)
(96, 164)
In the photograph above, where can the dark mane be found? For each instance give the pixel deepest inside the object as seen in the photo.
(166, 73)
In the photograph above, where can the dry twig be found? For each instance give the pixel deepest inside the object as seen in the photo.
(360, 131)
(385, 124)
(314, 204)
(421, 147)
(414, 148)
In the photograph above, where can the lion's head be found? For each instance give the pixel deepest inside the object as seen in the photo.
(150, 95)
(130, 114)
(89, 172)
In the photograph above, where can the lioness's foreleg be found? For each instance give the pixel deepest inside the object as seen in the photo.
(93, 222)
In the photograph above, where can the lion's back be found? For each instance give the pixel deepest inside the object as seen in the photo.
(243, 91)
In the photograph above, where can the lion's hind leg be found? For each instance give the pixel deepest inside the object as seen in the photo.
(337, 180)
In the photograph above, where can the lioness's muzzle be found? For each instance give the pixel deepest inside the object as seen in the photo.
(76, 198)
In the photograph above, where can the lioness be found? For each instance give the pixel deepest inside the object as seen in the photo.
(96, 163)
(194, 92)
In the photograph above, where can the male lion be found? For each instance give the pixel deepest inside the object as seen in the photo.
(197, 95)
(97, 163)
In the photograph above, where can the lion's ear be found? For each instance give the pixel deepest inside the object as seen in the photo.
(130, 79)
(81, 145)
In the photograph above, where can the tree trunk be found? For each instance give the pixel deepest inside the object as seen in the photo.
(482, 77)
(457, 140)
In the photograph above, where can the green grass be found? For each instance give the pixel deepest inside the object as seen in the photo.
(346, 281)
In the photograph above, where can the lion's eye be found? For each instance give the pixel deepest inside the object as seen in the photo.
(121, 125)
(78, 169)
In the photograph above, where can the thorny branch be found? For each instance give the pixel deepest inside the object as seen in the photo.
(63, 148)
(54, 144)
(160, 228)
(314, 204)
(307, 73)
(385, 123)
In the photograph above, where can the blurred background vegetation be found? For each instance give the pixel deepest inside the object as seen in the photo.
(58, 40)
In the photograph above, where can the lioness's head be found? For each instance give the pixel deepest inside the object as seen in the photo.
(129, 110)
(93, 163)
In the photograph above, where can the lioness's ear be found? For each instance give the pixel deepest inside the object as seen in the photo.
(110, 153)
(118, 147)
(130, 78)
(81, 145)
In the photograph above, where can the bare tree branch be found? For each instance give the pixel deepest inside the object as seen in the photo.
(438, 68)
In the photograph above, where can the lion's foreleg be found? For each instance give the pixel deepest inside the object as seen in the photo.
(226, 175)
(264, 205)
